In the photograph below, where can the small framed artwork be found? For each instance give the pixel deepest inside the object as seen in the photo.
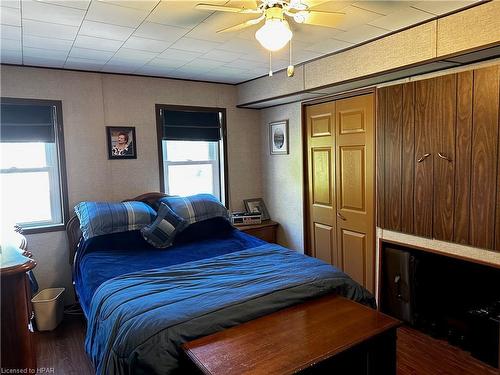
(257, 205)
(278, 137)
(121, 142)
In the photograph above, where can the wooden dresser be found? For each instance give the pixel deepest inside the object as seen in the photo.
(265, 231)
(18, 349)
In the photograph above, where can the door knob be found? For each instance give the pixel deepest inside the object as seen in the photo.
(423, 158)
(443, 156)
(341, 216)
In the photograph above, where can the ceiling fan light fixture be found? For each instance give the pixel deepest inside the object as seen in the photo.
(300, 17)
(274, 35)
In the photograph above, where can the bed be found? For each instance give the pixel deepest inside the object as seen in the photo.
(142, 303)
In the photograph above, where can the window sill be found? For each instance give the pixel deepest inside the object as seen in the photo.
(44, 229)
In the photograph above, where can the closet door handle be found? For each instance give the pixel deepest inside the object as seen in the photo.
(423, 158)
(443, 156)
(341, 216)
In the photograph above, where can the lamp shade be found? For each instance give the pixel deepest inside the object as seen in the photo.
(274, 35)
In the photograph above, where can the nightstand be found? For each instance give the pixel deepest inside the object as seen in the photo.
(265, 231)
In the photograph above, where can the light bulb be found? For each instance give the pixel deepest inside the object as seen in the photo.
(274, 35)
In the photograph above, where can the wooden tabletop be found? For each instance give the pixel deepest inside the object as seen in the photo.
(289, 340)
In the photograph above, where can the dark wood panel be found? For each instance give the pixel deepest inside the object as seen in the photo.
(393, 139)
(380, 155)
(424, 122)
(444, 157)
(408, 159)
(463, 157)
(484, 157)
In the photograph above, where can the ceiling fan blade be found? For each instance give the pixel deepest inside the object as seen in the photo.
(326, 19)
(222, 8)
(243, 25)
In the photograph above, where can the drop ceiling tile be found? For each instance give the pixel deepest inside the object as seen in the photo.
(10, 32)
(238, 44)
(401, 19)
(83, 41)
(441, 7)
(144, 44)
(10, 45)
(168, 64)
(383, 7)
(147, 5)
(44, 53)
(313, 34)
(203, 64)
(38, 11)
(220, 55)
(83, 64)
(177, 13)
(77, 4)
(329, 45)
(10, 16)
(47, 43)
(115, 66)
(153, 70)
(105, 30)
(249, 64)
(12, 4)
(206, 31)
(116, 15)
(11, 57)
(160, 32)
(49, 30)
(355, 17)
(361, 34)
(178, 54)
(91, 54)
(41, 61)
(195, 45)
(127, 54)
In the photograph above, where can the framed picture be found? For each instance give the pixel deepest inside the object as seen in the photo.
(278, 137)
(256, 205)
(121, 142)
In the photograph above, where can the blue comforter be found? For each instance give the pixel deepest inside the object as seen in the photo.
(138, 321)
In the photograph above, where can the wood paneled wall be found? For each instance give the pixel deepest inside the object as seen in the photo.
(438, 169)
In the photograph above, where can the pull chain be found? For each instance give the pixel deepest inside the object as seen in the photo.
(270, 64)
(290, 71)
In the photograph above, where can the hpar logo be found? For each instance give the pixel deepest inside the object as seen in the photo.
(46, 370)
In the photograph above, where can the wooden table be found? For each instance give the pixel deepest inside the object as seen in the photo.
(320, 336)
(265, 231)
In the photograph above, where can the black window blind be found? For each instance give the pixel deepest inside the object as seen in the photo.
(191, 125)
(27, 123)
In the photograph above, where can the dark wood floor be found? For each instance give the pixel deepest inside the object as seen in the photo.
(418, 354)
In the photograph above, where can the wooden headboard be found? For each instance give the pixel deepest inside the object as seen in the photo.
(73, 225)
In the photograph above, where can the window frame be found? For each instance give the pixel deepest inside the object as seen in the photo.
(223, 169)
(61, 160)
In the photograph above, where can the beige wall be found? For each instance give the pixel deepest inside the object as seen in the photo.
(282, 176)
(92, 101)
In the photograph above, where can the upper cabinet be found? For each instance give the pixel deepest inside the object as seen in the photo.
(438, 159)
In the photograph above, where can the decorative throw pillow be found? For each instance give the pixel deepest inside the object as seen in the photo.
(162, 231)
(196, 208)
(98, 218)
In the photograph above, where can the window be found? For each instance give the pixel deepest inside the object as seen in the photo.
(191, 143)
(32, 182)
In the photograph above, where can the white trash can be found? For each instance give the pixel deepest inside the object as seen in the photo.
(48, 306)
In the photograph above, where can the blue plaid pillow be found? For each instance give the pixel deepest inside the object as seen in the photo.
(98, 218)
(196, 208)
(162, 231)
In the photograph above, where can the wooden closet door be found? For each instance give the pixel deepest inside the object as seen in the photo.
(355, 187)
(443, 155)
(320, 126)
(425, 110)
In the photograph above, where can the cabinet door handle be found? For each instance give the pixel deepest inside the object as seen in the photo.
(443, 156)
(423, 158)
(341, 216)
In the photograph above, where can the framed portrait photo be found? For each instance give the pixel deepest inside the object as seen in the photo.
(278, 137)
(121, 142)
(255, 205)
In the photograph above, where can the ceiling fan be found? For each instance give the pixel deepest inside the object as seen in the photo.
(276, 33)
